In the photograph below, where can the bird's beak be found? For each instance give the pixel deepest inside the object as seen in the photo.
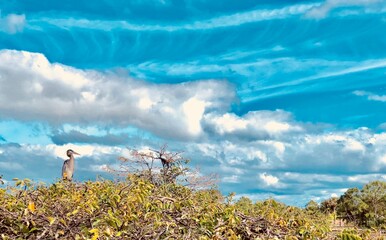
(76, 153)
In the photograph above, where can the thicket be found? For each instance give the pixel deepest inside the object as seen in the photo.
(365, 207)
(154, 201)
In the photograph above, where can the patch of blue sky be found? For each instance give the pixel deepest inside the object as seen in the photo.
(21, 132)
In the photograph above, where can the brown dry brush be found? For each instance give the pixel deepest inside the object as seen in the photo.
(161, 167)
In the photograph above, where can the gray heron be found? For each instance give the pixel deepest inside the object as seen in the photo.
(68, 165)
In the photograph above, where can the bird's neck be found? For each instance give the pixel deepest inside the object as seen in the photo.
(71, 160)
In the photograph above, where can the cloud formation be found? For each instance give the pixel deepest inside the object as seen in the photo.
(59, 94)
(325, 8)
(12, 23)
(370, 96)
(253, 125)
(42, 91)
(203, 24)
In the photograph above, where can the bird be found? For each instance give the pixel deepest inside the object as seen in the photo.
(68, 165)
(165, 161)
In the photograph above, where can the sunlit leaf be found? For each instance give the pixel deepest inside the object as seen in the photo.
(31, 206)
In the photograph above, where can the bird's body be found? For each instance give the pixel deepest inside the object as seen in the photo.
(69, 166)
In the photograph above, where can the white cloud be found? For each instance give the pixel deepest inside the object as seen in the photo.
(60, 151)
(269, 179)
(12, 23)
(370, 96)
(254, 124)
(100, 168)
(365, 178)
(280, 148)
(234, 154)
(193, 110)
(228, 123)
(331, 69)
(307, 178)
(277, 127)
(343, 139)
(353, 145)
(256, 154)
(325, 8)
(302, 160)
(58, 94)
(382, 159)
(231, 179)
(215, 22)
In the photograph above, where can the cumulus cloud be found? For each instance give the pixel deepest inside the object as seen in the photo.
(36, 90)
(33, 89)
(12, 23)
(253, 125)
(299, 162)
(325, 8)
(269, 179)
(339, 153)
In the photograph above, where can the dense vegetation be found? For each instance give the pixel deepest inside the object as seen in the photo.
(166, 203)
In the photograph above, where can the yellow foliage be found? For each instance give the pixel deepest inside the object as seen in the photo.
(95, 233)
(31, 206)
(51, 220)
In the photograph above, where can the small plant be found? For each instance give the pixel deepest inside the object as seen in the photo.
(349, 234)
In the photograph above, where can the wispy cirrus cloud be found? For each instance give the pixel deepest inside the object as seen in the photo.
(297, 72)
(326, 7)
(331, 70)
(205, 24)
(370, 96)
(312, 10)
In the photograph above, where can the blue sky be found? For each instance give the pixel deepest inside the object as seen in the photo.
(281, 99)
